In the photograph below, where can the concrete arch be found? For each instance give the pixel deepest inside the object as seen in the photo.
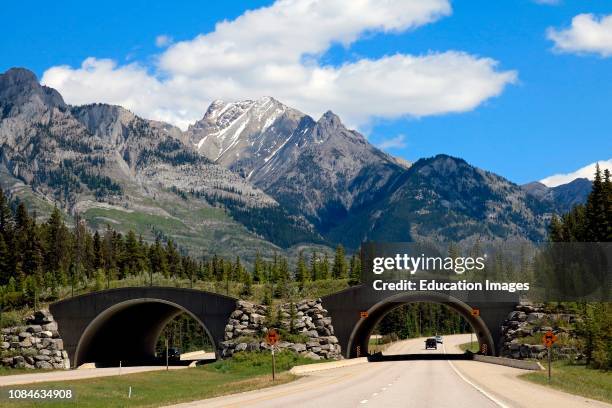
(124, 324)
(128, 332)
(358, 340)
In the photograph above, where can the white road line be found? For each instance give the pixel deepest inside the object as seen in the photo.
(363, 402)
(375, 394)
(480, 390)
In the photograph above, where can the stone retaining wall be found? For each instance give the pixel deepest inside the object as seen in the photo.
(35, 345)
(533, 320)
(306, 319)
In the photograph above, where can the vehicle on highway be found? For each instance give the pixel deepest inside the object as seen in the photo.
(174, 354)
(439, 339)
(431, 343)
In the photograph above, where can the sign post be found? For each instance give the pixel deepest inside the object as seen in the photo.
(549, 339)
(167, 354)
(272, 338)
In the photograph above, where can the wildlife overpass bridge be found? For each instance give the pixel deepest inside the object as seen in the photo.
(124, 324)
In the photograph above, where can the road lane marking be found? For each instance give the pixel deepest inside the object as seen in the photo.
(375, 394)
(479, 389)
(363, 402)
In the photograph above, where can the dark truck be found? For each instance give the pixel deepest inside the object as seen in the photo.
(431, 343)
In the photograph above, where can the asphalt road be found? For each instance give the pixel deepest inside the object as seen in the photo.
(419, 383)
(416, 383)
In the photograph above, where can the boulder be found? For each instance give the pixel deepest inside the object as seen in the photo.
(311, 355)
(257, 318)
(534, 317)
(45, 365)
(50, 326)
(298, 347)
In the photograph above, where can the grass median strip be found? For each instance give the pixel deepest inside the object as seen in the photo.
(244, 372)
(576, 379)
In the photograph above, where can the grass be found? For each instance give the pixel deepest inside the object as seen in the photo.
(473, 347)
(576, 379)
(246, 371)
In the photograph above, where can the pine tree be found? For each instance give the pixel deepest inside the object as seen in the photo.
(237, 271)
(314, 266)
(339, 270)
(5, 261)
(247, 284)
(324, 268)
(301, 272)
(98, 261)
(292, 318)
(355, 270)
(258, 269)
(173, 258)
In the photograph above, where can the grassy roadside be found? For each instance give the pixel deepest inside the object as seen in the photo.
(473, 347)
(576, 379)
(243, 373)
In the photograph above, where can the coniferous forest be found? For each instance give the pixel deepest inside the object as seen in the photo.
(44, 261)
(591, 222)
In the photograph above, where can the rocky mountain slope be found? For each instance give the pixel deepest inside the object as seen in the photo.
(251, 175)
(316, 168)
(114, 167)
(562, 197)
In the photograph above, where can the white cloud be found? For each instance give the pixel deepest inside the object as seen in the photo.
(587, 34)
(587, 171)
(274, 51)
(163, 40)
(397, 142)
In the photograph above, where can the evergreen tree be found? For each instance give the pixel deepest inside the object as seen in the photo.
(259, 269)
(5, 262)
(301, 272)
(355, 270)
(314, 266)
(247, 284)
(173, 259)
(339, 270)
(324, 268)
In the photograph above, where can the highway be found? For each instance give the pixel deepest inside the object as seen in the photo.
(418, 383)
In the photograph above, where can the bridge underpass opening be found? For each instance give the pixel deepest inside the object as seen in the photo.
(128, 333)
(414, 322)
(186, 334)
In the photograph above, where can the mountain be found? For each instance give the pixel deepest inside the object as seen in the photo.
(562, 197)
(351, 191)
(444, 198)
(250, 176)
(113, 167)
(319, 169)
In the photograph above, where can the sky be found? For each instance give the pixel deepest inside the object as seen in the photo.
(522, 88)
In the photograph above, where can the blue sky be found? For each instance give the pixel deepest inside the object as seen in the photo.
(552, 117)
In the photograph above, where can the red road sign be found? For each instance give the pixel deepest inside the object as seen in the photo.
(475, 312)
(272, 337)
(363, 314)
(549, 339)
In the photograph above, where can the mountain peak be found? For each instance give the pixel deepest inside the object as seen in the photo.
(19, 86)
(330, 118)
(19, 76)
